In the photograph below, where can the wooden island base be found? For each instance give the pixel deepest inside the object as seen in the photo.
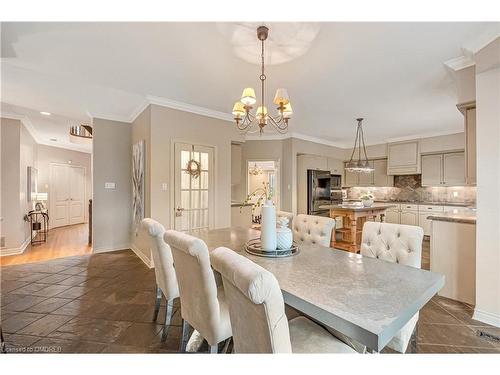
(353, 218)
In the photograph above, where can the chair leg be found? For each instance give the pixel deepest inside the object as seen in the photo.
(185, 335)
(226, 345)
(169, 309)
(214, 349)
(159, 295)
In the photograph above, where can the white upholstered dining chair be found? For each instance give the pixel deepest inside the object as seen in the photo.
(312, 230)
(257, 312)
(397, 244)
(166, 280)
(203, 304)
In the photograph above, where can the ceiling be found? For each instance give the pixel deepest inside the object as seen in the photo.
(392, 74)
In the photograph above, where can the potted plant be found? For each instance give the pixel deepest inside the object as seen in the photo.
(367, 199)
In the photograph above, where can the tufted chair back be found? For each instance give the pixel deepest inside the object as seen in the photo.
(162, 258)
(397, 244)
(197, 286)
(256, 305)
(313, 230)
(393, 242)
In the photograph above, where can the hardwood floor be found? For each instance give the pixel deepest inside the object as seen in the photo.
(62, 242)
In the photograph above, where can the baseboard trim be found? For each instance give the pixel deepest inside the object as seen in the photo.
(15, 250)
(148, 262)
(106, 249)
(487, 317)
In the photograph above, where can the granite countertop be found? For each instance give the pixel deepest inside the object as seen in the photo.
(465, 217)
(457, 204)
(350, 207)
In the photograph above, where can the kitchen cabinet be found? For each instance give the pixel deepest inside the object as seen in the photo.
(432, 170)
(409, 214)
(424, 211)
(403, 158)
(380, 176)
(393, 215)
(350, 179)
(454, 169)
(445, 169)
(236, 161)
(469, 111)
(335, 166)
(366, 179)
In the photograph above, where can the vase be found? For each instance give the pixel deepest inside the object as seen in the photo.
(284, 238)
(367, 202)
(268, 227)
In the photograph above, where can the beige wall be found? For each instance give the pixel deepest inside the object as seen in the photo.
(28, 149)
(49, 154)
(10, 210)
(112, 209)
(488, 199)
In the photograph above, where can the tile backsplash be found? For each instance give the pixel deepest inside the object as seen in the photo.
(408, 188)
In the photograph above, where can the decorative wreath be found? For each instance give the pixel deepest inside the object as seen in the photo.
(193, 168)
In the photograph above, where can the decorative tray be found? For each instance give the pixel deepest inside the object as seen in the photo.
(254, 247)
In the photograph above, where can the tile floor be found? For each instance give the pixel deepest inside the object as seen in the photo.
(103, 303)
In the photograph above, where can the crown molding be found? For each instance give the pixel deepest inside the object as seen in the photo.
(303, 137)
(422, 135)
(186, 107)
(138, 110)
(459, 63)
(34, 134)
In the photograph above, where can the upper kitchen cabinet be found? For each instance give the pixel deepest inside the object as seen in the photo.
(403, 158)
(236, 162)
(469, 111)
(446, 169)
(335, 166)
(380, 176)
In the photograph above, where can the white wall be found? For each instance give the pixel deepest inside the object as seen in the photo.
(28, 149)
(488, 198)
(49, 154)
(112, 209)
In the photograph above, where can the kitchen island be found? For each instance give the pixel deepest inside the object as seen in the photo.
(348, 237)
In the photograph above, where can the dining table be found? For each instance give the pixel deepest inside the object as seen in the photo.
(366, 299)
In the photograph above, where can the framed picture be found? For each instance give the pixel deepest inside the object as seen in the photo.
(32, 184)
(138, 183)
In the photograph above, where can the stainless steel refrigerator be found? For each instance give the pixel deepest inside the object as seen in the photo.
(318, 192)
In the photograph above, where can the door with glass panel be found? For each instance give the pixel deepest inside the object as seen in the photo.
(193, 186)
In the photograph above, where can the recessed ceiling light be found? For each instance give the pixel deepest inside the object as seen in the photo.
(53, 139)
(45, 113)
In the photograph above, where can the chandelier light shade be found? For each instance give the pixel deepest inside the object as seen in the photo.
(246, 121)
(361, 164)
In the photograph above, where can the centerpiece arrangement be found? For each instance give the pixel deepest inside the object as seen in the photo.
(367, 199)
(273, 242)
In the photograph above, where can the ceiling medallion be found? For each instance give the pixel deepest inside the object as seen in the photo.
(81, 134)
(361, 165)
(246, 121)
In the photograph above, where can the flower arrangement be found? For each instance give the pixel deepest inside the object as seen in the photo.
(367, 197)
(264, 193)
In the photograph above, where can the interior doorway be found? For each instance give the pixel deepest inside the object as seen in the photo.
(193, 187)
(260, 172)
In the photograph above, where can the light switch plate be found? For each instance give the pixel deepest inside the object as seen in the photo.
(109, 185)
(164, 186)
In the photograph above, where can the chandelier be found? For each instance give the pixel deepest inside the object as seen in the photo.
(255, 170)
(246, 121)
(361, 165)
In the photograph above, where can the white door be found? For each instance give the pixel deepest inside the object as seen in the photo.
(66, 195)
(59, 195)
(193, 195)
(76, 177)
